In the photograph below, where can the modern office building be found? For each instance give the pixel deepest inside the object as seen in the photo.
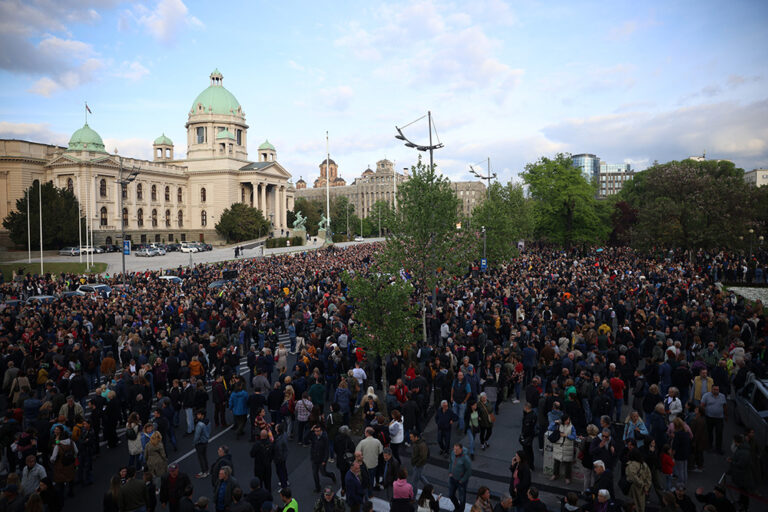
(588, 163)
(170, 199)
(612, 178)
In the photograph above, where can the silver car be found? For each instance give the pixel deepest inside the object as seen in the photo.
(752, 407)
(69, 251)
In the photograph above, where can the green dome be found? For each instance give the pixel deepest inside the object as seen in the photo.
(267, 145)
(86, 139)
(163, 141)
(225, 134)
(216, 99)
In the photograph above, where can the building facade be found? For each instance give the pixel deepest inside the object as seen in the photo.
(170, 200)
(612, 178)
(381, 185)
(757, 177)
(588, 163)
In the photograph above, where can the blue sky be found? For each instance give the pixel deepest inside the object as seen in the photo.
(513, 81)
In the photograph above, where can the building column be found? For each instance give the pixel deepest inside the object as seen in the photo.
(263, 201)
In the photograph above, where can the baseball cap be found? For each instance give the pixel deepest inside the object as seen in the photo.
(173, 466)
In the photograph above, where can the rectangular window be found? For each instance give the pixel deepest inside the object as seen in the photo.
(239, 137)
(183, 237)
(201, 134)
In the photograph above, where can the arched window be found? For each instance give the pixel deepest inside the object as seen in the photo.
(125, 191)
(167, 194)
(179, 196)
(181, 219)
(140, 217)
(167, 218)
(70, 185)
(154, 218)
(125, 217)
(103, 188)
(139, 192)
(203, 218)
(103, 217)
(202, 195)
(154, 192)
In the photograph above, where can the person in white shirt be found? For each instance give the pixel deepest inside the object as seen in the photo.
(31, 476)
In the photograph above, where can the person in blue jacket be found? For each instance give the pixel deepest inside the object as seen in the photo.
(238, 402)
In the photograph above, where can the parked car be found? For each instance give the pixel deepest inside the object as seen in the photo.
(69, 251)
(172, 279)
(158, 248)
(218, 283)
(71, 293)
(752, 407)
(186, 247)
(95, 289)
(144, 252)
(359, 239)
(43, 299)
(172, 247)
(110, 248)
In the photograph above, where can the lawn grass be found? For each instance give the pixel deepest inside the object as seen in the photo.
(53, 268)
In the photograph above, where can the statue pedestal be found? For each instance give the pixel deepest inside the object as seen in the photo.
(323, 235)
(300, 232)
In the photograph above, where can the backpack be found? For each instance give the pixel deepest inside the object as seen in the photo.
(68, 457)
(130, 434)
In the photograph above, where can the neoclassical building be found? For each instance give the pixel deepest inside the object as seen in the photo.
(170, 199)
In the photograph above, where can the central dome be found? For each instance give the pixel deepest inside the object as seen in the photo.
(216, 99)
(86, 139)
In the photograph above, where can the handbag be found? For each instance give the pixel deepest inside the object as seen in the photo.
(492, 417)
(554, 436)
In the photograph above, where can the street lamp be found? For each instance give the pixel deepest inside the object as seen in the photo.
(418, 147)
(483, 230)
(751, 239)
(123, 182)
(487, 178)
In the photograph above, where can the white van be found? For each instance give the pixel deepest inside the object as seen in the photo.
(187, 247)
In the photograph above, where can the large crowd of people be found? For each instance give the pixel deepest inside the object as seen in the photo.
(619, 363)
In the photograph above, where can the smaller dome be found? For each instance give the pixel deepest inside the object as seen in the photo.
(367, 172)
(267, 145)
(225, 134)
(163, 141)
(86, 139)
(301, 180)
(326, 161)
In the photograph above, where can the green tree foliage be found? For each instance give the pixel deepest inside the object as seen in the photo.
(380, 217)
(507, 216)
(423, 238)
(343, 215)
(60, 217)
(385, 318)
(566, 209)
(688, 204)
(242, 222)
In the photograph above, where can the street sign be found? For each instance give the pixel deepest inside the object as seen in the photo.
(127, 247)
(483, 264)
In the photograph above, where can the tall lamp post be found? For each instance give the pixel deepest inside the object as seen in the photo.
(123, 182)
(487, 178)
(431, 147)
(483, 229)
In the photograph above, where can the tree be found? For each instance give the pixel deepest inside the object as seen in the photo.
(423, 239)
(343, 215)
(380, 217)
(60, 217)
(507, 216)
(385, 318)
(689, 204)
(567, 211)
(623, 218)
(242, 222)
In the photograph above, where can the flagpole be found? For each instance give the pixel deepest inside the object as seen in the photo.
(79, 223)
(394, 186)
(40, 203)
(29, 230)
(327, 186)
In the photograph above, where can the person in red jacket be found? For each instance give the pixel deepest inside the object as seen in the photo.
(667, 465)
(617, 386)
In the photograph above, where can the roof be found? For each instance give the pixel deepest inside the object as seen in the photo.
(326, 160)
(267, 145)
(86, 139)
(225, 134)
(216, 99)
(301, 180)
(163, 141)
(256, 166)
(367, 172)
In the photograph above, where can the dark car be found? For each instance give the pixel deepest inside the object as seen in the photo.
(173, 247)
(110, 248)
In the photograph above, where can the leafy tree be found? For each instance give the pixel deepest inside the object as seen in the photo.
(423, 239)
(60, 217)
(507, 216)
(242, 222)
(623, 218)
(380, 216)
(343, 215)
(567, 211)
(689, 204)
(385, 318)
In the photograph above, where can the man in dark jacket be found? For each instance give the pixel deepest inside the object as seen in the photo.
(318, 454)
(419, 456)
(224, 458)
(528, 432)
(258, 495)
(390, 471)
(222, 494)
(239, 504)
(444, 417)
(262, 452)
(173, 487)
(356, 493)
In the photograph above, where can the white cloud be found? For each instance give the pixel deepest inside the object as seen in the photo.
(34, 132)
(724, 130)
(337, 98)
(164, 22)
(130, 147)
(133, 71)
(68, 79)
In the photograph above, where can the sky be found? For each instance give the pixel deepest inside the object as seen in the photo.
(632, 82)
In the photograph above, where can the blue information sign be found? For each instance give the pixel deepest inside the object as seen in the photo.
(483, 263)
(127, 247)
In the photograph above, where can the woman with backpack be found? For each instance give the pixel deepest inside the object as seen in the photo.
(132, 436)
(63, 459)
